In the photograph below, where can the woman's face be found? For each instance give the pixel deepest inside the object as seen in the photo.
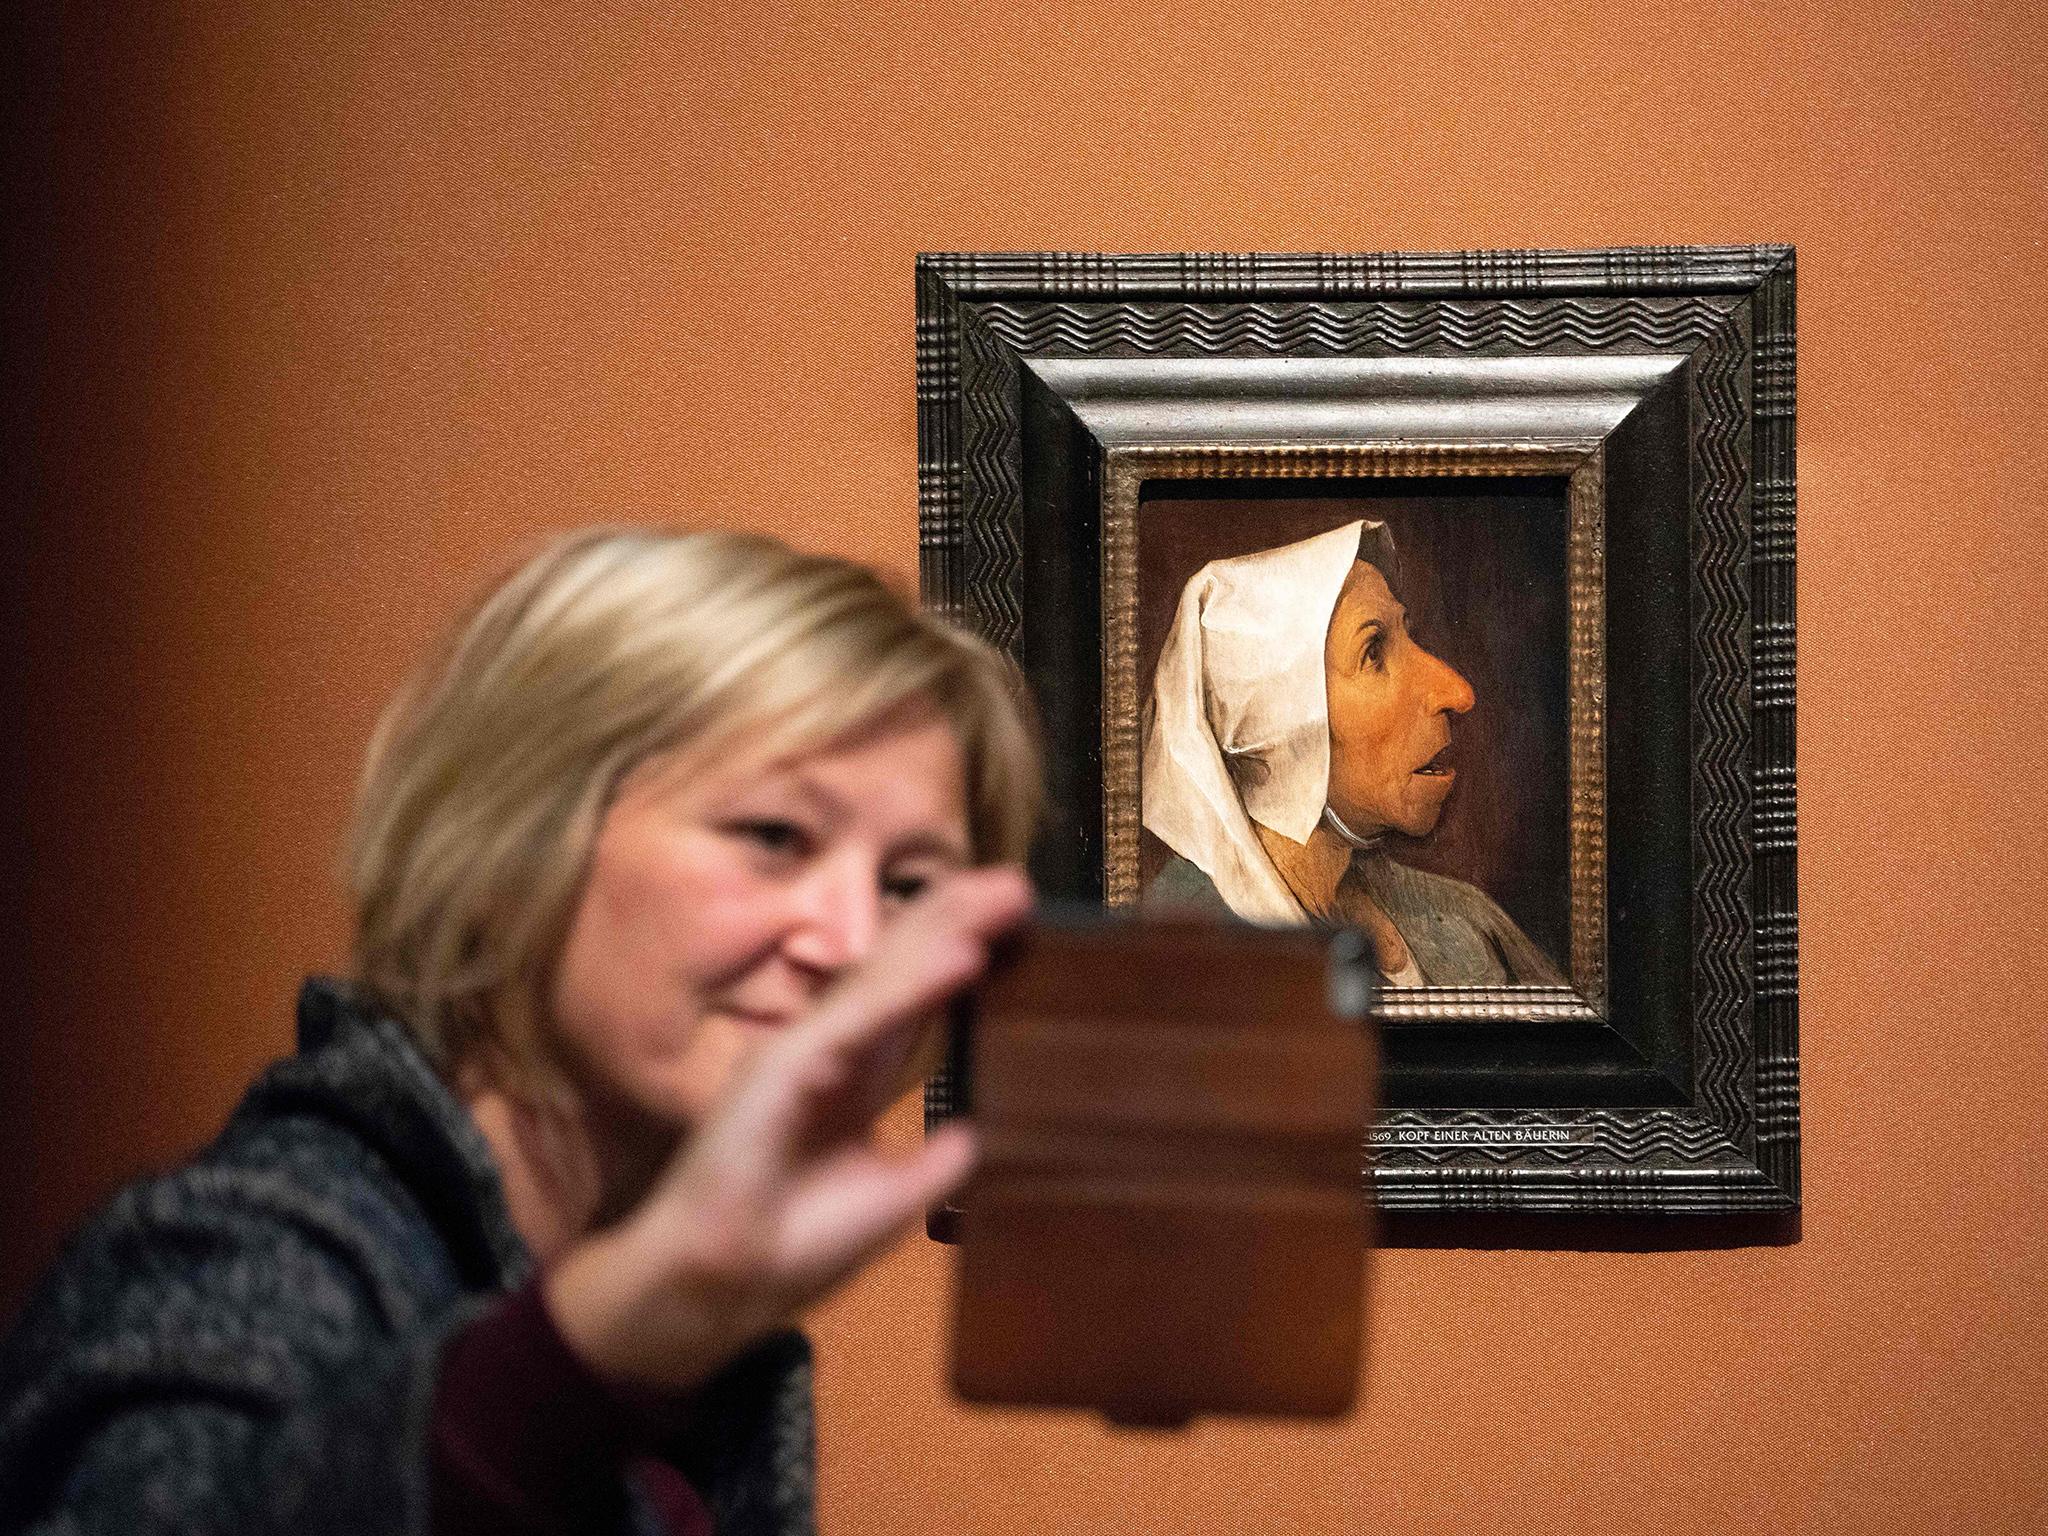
(722, 898)
(1391, 704)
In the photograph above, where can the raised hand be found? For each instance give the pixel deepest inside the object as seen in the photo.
(780, 1194)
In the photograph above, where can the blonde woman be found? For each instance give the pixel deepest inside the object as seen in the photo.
(660, 870)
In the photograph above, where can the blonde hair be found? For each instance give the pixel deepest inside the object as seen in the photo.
(490, 772)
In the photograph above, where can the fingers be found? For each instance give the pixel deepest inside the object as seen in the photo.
(852, 1046)
(779, 1196)
(938, 945)
(857, 1202)
(821, 1082)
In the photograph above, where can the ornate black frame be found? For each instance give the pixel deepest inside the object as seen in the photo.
(1660, 381)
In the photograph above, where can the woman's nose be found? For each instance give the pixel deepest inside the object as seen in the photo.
(1449, 693)
(838, 915)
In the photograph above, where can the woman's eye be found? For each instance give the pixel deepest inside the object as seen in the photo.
(901, 888)
(773, 836)
(1376, 652)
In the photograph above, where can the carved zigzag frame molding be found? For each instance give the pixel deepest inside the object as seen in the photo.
(1730, 309)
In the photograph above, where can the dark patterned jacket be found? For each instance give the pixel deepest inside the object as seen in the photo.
(251, 1343)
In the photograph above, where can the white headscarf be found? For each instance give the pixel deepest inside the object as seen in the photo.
(1237, 729)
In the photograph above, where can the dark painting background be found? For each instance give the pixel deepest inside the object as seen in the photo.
(1483, 578)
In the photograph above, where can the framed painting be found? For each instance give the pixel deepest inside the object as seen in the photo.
(1449, 597)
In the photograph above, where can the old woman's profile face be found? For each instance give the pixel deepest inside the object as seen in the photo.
(1390, 705)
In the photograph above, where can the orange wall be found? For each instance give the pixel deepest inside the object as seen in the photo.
(338, 309)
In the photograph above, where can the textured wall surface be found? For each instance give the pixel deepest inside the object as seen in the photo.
(333, 310)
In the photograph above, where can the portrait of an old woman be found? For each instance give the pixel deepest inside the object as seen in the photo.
(1295, 729)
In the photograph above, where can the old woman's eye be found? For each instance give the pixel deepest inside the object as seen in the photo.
(1376, 650)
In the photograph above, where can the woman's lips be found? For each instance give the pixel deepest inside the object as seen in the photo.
(1436, 767)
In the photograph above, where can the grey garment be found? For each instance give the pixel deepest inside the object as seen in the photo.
(1181, 886)
(250, 1344)
(1457, 934)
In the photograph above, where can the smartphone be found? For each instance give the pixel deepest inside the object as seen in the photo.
(1169, 1216)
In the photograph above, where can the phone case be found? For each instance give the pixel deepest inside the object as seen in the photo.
(1169, 1217)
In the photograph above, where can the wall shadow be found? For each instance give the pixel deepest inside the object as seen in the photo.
(1603, 1233)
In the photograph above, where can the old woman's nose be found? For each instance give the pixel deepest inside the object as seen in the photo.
(1448, 693)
